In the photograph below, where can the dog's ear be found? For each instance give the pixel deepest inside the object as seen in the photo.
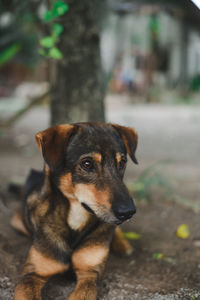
(52, 142)
(130, 139)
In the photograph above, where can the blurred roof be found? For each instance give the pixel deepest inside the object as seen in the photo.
(185, 9)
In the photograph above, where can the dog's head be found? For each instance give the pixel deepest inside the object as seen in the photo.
(87, 162)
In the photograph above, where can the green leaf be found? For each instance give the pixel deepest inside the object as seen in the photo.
(48, 16)
(131, 235)
(57, 29)
(158, 256)
(9, 53)
(47, 42)
(60, 8)
(55, 53)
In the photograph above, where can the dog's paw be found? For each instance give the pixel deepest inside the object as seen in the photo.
(128, 250)
(17, 223)
(125, 248)
(82, 296)
(84, 293)
(122, 247)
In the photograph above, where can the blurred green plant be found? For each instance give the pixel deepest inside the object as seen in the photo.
(18, 32)
(21, 25)
(149, 180)
(158, 256)
(9, 53)
(195, 83)
(131, 235)
(193, 298)
(48, 43)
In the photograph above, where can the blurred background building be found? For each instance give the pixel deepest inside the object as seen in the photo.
(146, 43)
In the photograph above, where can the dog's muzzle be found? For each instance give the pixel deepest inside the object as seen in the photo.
(124, 212)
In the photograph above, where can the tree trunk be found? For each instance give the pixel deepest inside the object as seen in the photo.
(77, 84)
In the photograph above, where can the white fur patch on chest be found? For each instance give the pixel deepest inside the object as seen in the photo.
(77, 216)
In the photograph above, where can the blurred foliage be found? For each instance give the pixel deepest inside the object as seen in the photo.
(48, 43)
(131, 235)
(18, 32)
(195, 83)
(58, 9)
(149, 180)
(158, 256)
(21, 25)
(9, 53)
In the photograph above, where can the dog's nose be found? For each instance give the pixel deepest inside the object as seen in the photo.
(122, 213)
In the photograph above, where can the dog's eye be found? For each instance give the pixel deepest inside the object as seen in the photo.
(122, 164)
(87, 164)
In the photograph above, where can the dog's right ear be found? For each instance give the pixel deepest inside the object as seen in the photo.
(52, 143)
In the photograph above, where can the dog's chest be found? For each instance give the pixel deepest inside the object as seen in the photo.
(77, 217)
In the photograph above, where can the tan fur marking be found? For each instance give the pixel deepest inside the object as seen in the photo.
(66, 185)
(42, 265)
(88, 194)
(89, 257)
(118, 157)
(32, 200)
(39, 206)
(20, 293)
(78, 216)
(18, 224)
(120, 244)
(30, 289)
(97, 157)
(42, 208)
(85, 288)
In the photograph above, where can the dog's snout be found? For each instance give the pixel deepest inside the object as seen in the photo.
(123, 213)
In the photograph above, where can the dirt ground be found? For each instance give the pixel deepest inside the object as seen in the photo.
(140, 276)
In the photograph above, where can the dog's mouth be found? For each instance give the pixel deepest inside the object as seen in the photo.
(106, 219)
(87, 208)
(118, 222)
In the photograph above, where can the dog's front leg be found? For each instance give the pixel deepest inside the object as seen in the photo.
(38, 269)
(89, 262)
(119, 244)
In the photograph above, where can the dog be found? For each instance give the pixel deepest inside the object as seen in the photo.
(72, 209)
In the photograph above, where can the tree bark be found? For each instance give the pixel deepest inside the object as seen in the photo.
(77, 91)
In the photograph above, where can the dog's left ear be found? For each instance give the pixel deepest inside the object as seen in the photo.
(52, 142)
(130, 139)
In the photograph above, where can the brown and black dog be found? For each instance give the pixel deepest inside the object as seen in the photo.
(72, 209)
